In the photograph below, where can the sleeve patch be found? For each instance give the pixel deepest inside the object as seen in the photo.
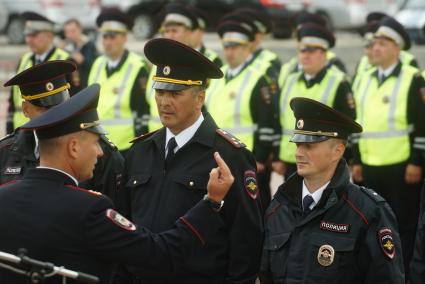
(120, 220)
(250, 184)
(385, 238)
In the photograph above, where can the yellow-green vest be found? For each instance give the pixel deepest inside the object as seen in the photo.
(263, 60)
(113, 108)
(382, 111)
(154, 120)
(25, 63)
(210, 54)
(287, 68)
(229, 103)
(324, 92)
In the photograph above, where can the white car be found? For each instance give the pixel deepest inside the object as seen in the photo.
(412, 17)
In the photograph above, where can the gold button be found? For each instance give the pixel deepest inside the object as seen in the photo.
(191, 183)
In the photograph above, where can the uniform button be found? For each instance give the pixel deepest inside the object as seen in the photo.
(191, 183)
(134, 182)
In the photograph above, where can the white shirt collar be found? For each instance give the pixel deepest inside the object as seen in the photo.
(316, 195)
(113, 63)
(73, 178)
(42, 57)
(235, 71)
(387, 71)
(183, 137)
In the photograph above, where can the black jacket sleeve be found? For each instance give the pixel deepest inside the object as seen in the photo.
(138, 104)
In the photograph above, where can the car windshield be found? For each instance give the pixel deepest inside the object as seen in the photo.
(415, 4)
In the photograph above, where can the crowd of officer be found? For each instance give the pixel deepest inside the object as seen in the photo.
(349, 209)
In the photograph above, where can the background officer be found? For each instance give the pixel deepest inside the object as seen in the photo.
(123, 75)
(316, 80)
(320, 227)
(45, 86)
(55, 220)
(243, 101)
(39, 36)
(293, 65)
(167, 172)
(388, 156)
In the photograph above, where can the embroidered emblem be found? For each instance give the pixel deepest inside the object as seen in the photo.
(338, 228)
(250, 181)
(385, 238)
(120, 220)
(326, 255)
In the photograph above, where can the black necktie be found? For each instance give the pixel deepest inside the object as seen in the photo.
(37, 61)
(172, 144)
(307, 200)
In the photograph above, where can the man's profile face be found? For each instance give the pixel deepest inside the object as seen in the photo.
(39, 42)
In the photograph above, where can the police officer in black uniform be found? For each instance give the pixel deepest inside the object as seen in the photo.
(44, 86)
(417, 266)
(166, 173)
(320, 227)
(55, 220)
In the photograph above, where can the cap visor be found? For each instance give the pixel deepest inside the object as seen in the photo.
(169, 86)
(301, 138)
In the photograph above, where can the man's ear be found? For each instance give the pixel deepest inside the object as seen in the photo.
(200, 99)
(73, 147)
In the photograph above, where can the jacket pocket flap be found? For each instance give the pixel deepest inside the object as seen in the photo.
(138, 179)
(193, 181)
(277, 241)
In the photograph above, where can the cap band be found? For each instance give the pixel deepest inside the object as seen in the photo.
(46, 94)
(178, 18)
(176, 81)
(113, 26)
(314, 41)
(385, 31)
(235, 37)
(35, 26)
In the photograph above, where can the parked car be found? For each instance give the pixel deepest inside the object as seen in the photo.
(412, 16)
(147, 13)
(58, 11)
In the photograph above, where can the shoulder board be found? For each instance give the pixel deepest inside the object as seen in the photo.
(372, 194)
(230, 138)
(108, 142)
(92, 192)
(143, 136)
(7, 140)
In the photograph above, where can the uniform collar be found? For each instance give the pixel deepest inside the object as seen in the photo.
(45, 56)
(123, 58)
(45, 173)
(236, 71)
(395, 71)
(316, 194)
(24, 144)
(183, 137)
(316, 79)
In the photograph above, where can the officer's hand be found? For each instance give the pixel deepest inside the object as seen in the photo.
(413, 174)
(279, 167)
(221, 179)
(357, 173)
(260, 167)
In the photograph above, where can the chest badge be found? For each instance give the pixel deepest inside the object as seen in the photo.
(326, 255)
(232, 95)
(386, 99)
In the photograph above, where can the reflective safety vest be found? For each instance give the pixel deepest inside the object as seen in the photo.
(382, 111)
(154, 120)
(25, 63)
(324, 92)
(263, 60)
(289, 66)
(113, 108)
(229, 103)
(210, 54)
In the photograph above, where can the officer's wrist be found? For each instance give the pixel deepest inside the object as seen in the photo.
(215, 205)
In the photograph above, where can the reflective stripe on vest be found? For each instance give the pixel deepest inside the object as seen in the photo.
(25, 63)
(382, 113)
(228, 102)
(324, 92)
(154, 120)
(286, 70)
(114, 102)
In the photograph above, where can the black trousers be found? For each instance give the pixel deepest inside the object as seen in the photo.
(403, 198)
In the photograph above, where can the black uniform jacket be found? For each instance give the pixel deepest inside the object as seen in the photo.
(70, 226)
(355, 222)
(417, 266)
(160, 196)
(17, 156)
